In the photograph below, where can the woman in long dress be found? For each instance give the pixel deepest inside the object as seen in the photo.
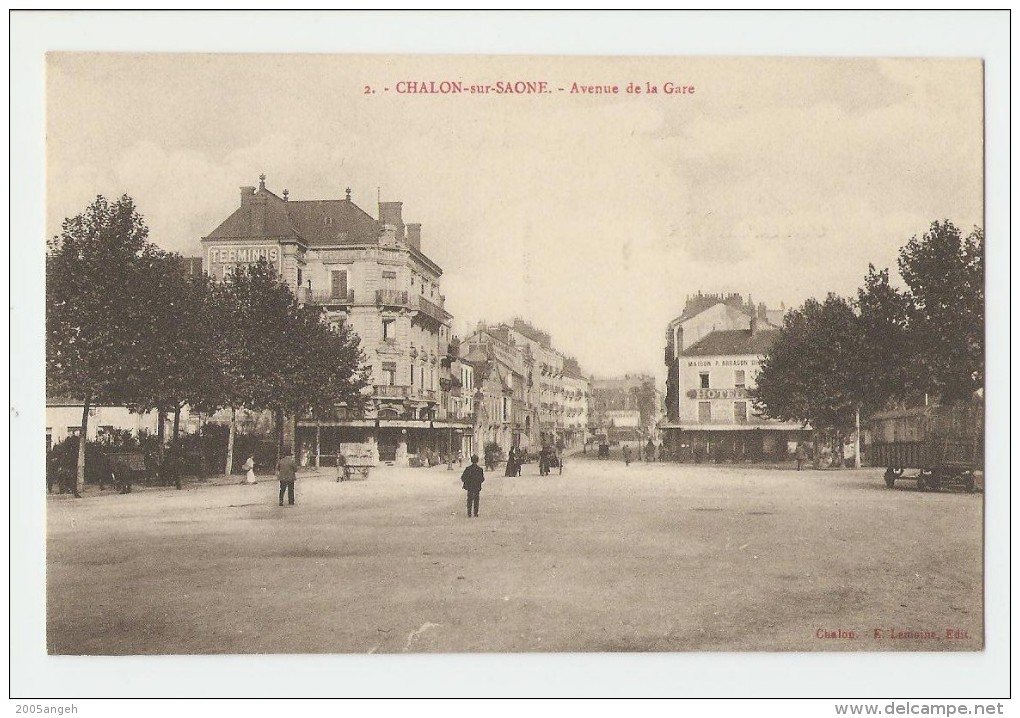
(511, 462)
(249, 468)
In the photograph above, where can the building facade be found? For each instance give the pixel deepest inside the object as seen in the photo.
(548, 392)
(371, 275)
(713, 353)
(626, 408)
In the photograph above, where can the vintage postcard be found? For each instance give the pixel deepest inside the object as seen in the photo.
(357, 354)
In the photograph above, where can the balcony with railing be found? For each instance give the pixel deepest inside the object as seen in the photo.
(431, 309)
(391, 297)
(327, 298)
(382, 391)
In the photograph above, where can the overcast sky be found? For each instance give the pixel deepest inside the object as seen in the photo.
(591, 216)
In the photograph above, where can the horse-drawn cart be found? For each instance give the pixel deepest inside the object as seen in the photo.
(945, 444)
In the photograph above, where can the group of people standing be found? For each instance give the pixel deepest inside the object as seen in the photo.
(547, 460)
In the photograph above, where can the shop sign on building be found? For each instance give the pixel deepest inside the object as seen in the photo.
(243, 255)
(735, 393)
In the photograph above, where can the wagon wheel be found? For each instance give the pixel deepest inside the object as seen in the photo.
(890, 477)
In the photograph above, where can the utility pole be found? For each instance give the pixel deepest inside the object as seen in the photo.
(857, 437)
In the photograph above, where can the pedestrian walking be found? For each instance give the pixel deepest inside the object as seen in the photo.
(512, 457)
(801, 455)
(249, 469)
(286, 471)
(626, 455)
(472, 479)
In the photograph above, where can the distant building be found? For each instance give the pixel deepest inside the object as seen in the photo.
(626, 408)
(547, 391)
(713, 354)
(63, 419)
(371, 275)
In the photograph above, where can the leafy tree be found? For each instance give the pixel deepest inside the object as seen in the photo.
(890, 359)
(176, 365)
(817, 372)
(944, 273)
(286, 359)
(95, 308)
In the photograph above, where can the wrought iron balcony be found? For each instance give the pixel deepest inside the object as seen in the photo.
(382, 391)
(431, 309)
(391, 297)
(329, 298)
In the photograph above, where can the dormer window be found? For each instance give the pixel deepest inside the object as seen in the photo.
(328, 221)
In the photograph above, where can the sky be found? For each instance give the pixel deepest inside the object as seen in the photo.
(592, 216)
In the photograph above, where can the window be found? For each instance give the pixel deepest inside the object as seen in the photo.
(738, 379)
(389, 275)
(740, 412)
(388, 330)
(704, 412)
(299, 276)
(412, 375)
(389, 369)
(704, 379)
(338, 287)
(328, 221)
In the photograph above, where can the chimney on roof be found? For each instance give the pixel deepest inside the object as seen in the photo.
(262, 181)
(755, 321)
(286, 193)
(414, 236)
(246, 195)
(348, 190)
(389, 213)
(258, 210)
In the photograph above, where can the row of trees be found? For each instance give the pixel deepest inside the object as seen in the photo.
(840, 358)
(125, 325)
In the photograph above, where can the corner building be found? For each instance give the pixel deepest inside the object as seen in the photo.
(713, 354)
(371, 275)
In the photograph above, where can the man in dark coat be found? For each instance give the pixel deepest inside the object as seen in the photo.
(286, 471)
(472, 479)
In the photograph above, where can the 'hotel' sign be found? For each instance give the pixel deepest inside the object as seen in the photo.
(737, 393)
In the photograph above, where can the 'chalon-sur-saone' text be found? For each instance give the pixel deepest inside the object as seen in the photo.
(534, 87)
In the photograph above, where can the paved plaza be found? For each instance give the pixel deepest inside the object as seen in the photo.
(650, 557)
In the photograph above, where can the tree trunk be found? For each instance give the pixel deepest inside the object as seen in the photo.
(816, 449)
(857, 438)
(160, 444)
(230, 442)
(79, 479)
(175, 448)
(202, 468)
(278, 421)
(296, 457)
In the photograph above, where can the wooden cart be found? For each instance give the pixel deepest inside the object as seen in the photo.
(355, 461)
(944, 443)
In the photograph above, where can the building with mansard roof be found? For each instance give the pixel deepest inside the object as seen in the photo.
(713, 354)
(371, 275)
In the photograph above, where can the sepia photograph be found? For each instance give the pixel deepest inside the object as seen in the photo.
(511, 355)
